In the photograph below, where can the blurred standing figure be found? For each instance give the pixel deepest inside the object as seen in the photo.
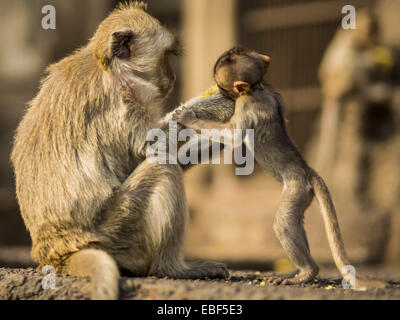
(359, 151)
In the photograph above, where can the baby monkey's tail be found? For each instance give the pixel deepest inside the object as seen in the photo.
(334, 236)
(100, 267)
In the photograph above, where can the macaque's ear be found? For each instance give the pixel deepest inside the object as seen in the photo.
(241, 87)
(266, 60)
(121, 43)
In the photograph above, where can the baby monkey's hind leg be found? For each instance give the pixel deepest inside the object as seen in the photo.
(288, 226)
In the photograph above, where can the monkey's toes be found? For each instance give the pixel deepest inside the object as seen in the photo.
(302, 277)
(275, 280)
(278, 279)
(208, 269)
(296, 277)
(297, 280)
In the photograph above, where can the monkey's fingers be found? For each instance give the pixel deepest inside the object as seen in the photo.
(177, 115)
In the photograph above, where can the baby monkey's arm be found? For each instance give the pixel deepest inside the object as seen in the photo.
(232, 137)
(189, 119)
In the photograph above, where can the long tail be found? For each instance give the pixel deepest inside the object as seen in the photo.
(100, 267)
(334, 236)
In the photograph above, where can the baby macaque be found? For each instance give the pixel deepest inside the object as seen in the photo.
(239, 74)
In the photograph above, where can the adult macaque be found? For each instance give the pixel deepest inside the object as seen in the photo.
(90, 199)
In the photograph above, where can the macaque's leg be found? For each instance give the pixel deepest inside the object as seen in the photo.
(149, 211)
(288, 226)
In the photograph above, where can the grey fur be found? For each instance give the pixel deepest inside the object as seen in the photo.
(261, 109)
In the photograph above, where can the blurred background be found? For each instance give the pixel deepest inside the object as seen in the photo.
(341, 89)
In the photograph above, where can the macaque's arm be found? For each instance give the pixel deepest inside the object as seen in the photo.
(216, 107)
(191, 117)
(226, 130)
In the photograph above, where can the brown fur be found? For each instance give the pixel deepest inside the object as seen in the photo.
(89, 198)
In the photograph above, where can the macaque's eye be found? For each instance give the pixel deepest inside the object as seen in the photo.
(170, 60)
(170, 53)
(175, 52)
(176, 49)
(169, 70)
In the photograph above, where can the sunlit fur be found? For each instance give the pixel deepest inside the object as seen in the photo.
(88, 197)
(258, 107)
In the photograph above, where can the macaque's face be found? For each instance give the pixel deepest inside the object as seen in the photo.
(131, 42)
(240, 65)
(149, 56)
(167, 74)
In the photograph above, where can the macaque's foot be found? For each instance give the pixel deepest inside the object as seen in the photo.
(296, 277)
(277, 279)
(184, 116)
(205, 269)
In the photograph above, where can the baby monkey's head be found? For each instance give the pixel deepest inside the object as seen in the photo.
(238, 70)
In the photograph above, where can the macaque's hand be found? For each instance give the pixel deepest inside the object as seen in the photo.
(184, 116)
